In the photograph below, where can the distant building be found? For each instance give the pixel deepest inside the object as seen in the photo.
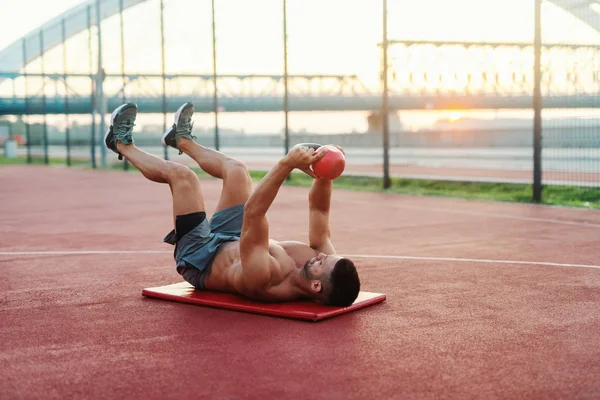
(376, 123)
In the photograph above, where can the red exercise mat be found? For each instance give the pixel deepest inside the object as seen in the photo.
(183, 292)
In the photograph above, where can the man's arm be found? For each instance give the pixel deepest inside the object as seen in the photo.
(319, 200)
(254, 240)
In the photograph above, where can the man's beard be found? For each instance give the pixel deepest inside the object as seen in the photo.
(306, 271)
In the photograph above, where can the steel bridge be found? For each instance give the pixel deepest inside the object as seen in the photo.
(571, 80)
(485, 76)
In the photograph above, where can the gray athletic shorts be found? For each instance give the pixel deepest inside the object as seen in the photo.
(197, 241)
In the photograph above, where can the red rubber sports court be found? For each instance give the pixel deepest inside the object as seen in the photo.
(483, 300)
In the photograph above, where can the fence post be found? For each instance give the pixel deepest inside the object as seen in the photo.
(100, 84)
(27, 125)
(215, 93)
(93, 89)
(285, 81)
(537, 105)
(124, 97)
(385, 109)
(164, 83)
(45, 124)
(67, 128)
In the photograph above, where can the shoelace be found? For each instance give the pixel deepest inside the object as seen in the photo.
(123, 129)
(185, 127)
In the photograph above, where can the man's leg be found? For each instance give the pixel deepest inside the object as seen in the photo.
(184, 184)
(237, 184)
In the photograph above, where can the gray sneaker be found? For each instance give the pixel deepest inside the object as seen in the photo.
(181, 128)
(122, 122)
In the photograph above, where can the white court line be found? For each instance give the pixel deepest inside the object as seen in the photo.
(481, 214)
(476, 260)
(391, 257)
(81, 252)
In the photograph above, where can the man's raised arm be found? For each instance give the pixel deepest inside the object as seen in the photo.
(254, 240)
(319, 200)
(319, 203)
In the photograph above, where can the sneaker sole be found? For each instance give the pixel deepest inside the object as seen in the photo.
(162, 138)
(112, 120)
(177, 115)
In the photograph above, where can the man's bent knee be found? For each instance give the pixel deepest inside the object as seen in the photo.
(236, 169)
(180, 172)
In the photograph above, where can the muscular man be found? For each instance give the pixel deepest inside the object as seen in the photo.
(232, 252)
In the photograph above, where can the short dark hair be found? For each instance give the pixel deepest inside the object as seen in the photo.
(343, 285)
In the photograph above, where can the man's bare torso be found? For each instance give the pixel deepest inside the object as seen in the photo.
(226, 271)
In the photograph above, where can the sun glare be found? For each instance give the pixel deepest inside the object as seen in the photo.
(454, 116)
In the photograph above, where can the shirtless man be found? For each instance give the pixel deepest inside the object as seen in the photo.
(232, 252)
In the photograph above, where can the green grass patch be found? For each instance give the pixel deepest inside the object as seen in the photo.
(571, 196)
(39, 160)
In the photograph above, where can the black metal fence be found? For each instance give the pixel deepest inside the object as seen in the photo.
(474, 89)
(570, 139)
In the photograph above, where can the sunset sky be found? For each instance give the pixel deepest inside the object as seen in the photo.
(325, 36)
